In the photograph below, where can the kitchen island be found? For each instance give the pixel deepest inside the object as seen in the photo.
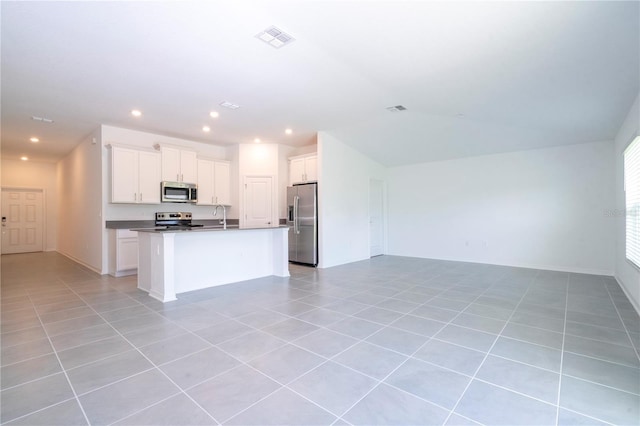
(171, 262)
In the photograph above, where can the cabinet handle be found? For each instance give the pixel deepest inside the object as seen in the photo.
(141, 196)
(135, 197)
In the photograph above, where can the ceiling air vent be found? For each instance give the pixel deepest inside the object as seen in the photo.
(44, 120)
(396, 108)
(274, 37)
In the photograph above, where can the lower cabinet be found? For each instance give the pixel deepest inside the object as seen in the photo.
(123, 252)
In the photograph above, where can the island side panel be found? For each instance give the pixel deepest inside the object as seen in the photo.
(163, 276)
(144, 261)
(280, 250)
(207, 259)
(156, 265)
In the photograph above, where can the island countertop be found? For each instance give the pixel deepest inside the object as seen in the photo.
(150, 224)
(205, 228)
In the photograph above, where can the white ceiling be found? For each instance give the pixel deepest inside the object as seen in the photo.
(476, 77)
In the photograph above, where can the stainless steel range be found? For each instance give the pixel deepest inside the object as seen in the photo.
(175, 220)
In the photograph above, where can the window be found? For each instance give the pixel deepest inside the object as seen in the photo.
(632, 200)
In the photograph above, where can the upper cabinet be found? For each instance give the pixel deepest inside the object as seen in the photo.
(135, 176)
(179, 165)
(214, 182)
(303, 168)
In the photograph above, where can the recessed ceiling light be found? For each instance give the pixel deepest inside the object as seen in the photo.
(288, 131)
(136, 112)
(275, 37)
(256, 140)
(214, 114)
(229, 105)
(34, 140)
(206, 129)
(24, 158)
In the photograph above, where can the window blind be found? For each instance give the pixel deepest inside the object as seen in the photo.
(632, 200)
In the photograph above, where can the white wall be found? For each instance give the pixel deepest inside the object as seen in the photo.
(144, 140)
(541, 209)
(301, 150)
(627, 275)
(36, 175)
(80, 221)
(343, 201)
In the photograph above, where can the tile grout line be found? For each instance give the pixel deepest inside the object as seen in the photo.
(564, 334)
(381, 381)
(603, 385)
(626, 329)
(155, 367)
(286, 385)
(61, 367)
(383, 326)
(531, 281)
(327, 360)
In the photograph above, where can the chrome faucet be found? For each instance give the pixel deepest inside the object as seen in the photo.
(224, 215)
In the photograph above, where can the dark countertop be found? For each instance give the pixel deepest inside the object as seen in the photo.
(214, 228)
(150, 224)
(128, 224)
(145, 224)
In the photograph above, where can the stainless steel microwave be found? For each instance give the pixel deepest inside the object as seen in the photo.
(178, 192)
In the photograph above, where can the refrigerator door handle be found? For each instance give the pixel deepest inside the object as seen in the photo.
(296, 219)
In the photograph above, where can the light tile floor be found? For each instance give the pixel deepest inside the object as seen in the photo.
(391, 340)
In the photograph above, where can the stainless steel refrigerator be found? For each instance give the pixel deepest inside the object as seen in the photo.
(302, 219)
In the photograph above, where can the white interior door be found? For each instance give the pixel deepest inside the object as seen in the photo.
(376, 217)
(22, 221)
(258, 202)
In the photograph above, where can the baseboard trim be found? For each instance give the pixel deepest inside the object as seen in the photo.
(80, 262)
(556, 268)
(633, 302)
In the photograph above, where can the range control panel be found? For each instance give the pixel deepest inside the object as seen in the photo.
(173, 216)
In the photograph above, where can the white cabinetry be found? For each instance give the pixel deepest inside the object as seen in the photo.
(123, 252)
(179, 165)
(135, 176)
(213, 182)
(303, 168)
